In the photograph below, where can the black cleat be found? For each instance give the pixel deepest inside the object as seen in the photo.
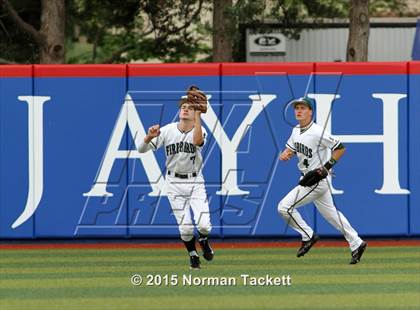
(194, 262)
(208, 252)
(356, 255)
(307, 245)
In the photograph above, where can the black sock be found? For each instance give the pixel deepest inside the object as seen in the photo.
(190, 245)
(202, 237)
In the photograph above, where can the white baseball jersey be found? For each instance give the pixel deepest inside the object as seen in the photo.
(182, 156)
(184, 194)
(312, 146)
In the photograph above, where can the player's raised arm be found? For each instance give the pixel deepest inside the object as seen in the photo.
(198, 138)
(152, 133)
(198, 99)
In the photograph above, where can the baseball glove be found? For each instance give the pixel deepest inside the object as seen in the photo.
(313, 177)
(197, 98)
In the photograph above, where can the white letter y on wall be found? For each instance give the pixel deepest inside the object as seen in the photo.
(228, 147)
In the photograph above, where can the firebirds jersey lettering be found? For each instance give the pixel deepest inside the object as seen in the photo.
(175, 148)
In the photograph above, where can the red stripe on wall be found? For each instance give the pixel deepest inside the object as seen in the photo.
(16, 70)
(210, 69)
(362, 68)
(414, 67)
(80, 71)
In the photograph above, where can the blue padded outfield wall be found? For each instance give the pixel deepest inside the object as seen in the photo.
(70, 169)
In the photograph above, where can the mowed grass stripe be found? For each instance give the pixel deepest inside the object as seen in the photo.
(221, 302)
(223, 255)
(129, 291)
(124, 281)
(209, 271)
(140, 261)
(165, 266)
(391, 251)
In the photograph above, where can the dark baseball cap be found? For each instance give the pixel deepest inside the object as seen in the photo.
(303, 100)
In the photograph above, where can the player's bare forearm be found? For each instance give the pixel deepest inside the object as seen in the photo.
(147, 139)
(335, 156)
(337, 153)
(198, 133)
(286, 154)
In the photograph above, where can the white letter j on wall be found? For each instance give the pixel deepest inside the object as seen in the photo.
(35, 156)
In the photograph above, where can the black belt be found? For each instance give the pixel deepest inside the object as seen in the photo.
(183, 176)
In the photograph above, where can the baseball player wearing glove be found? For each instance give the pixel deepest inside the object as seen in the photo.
(317, 152)
(184, 182)
(197, 99)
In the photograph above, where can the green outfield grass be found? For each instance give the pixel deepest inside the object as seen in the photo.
(387, 278)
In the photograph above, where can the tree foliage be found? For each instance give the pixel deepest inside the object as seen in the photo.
(290, 15)
(16, 45)
(114, 31)
(141, 29)
(50, 37)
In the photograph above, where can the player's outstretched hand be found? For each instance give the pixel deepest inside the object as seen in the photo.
(286, 154)
(154, 131)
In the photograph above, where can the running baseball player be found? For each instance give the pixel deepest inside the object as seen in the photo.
(184, 182)
(317, 152)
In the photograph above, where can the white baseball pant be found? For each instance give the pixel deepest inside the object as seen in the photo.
(184, 195)
(321, 196)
